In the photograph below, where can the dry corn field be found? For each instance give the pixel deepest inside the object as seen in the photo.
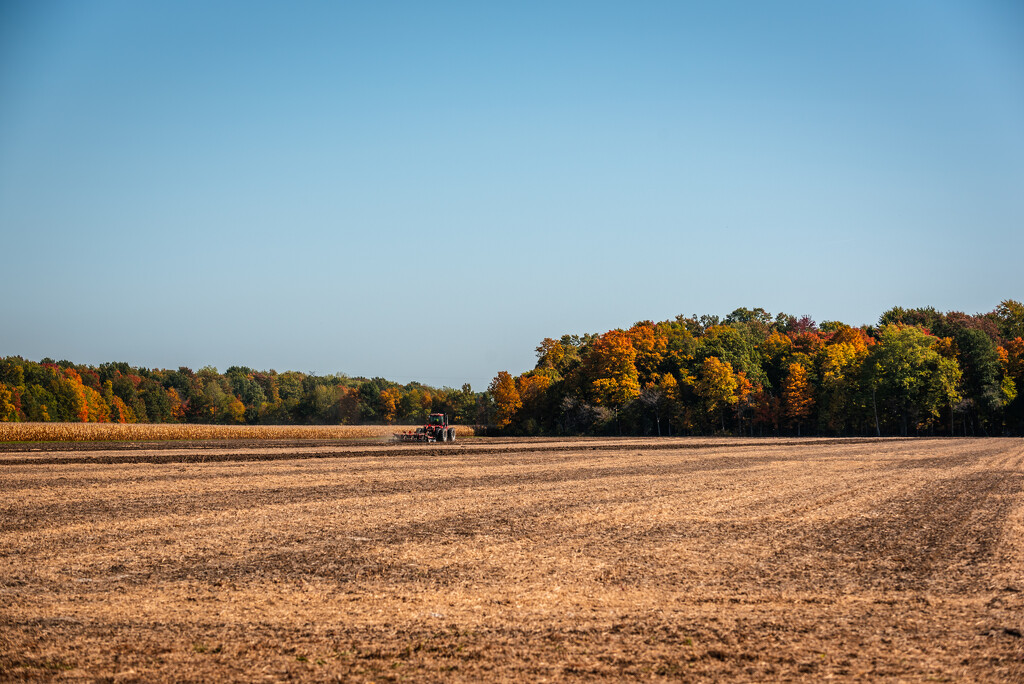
(93, 432)
(538, 560)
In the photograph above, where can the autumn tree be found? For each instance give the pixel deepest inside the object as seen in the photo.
(177, 408)
(797, 396)
(841, 361)
(389, 399)
(716, 385)
(659, 397)
(234, 411)
(532, 388)
(650, 344)
(559, 358)
(506, 399)
(8, 407)
(70, 393)
(610, 365)
(120, 412)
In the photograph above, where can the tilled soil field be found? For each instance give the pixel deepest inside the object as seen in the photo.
(533, 560)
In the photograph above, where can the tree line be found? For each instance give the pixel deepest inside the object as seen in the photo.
(118, 392)
(917, 372)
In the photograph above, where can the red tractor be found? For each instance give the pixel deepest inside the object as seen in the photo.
(435, 430)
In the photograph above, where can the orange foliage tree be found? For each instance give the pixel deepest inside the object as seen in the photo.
(651, 344)
(797, 397)
(531, 387)
(177, 406)
(119, 411)
(610, 363)
(506, 398)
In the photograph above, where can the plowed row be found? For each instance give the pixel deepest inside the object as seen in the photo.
(544, 560)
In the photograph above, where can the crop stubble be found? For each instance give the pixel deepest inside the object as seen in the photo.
(782, 559)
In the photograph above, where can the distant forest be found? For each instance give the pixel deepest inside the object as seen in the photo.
(917, 372)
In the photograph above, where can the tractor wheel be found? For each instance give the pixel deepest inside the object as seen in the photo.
(439, 435)
(451, 434)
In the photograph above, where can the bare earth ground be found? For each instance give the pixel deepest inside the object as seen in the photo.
(492, 560)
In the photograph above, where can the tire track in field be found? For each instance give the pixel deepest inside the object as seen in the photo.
(273, 453)
(86, 506)
(946, 529)
(779, 540)
(773, 511)
(205, 502)
(488, 514)
(476, 519)
(494, 518)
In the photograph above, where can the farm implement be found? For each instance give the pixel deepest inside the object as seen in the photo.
(436, 429)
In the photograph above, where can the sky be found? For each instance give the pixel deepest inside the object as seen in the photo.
(424, 191)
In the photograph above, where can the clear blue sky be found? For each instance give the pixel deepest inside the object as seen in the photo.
(425, 190)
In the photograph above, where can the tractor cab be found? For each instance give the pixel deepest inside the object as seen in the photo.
(437, 419)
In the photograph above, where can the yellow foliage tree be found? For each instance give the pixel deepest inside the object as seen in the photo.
(98, 411)
(389, 399)
(670, 397)
(235, 411)
(71, 393)
(717, 384)
(776, 346)
(651, 345)
(840, 365)
(550, 354)
(8, 411)
(506, 398)
(611, 365)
